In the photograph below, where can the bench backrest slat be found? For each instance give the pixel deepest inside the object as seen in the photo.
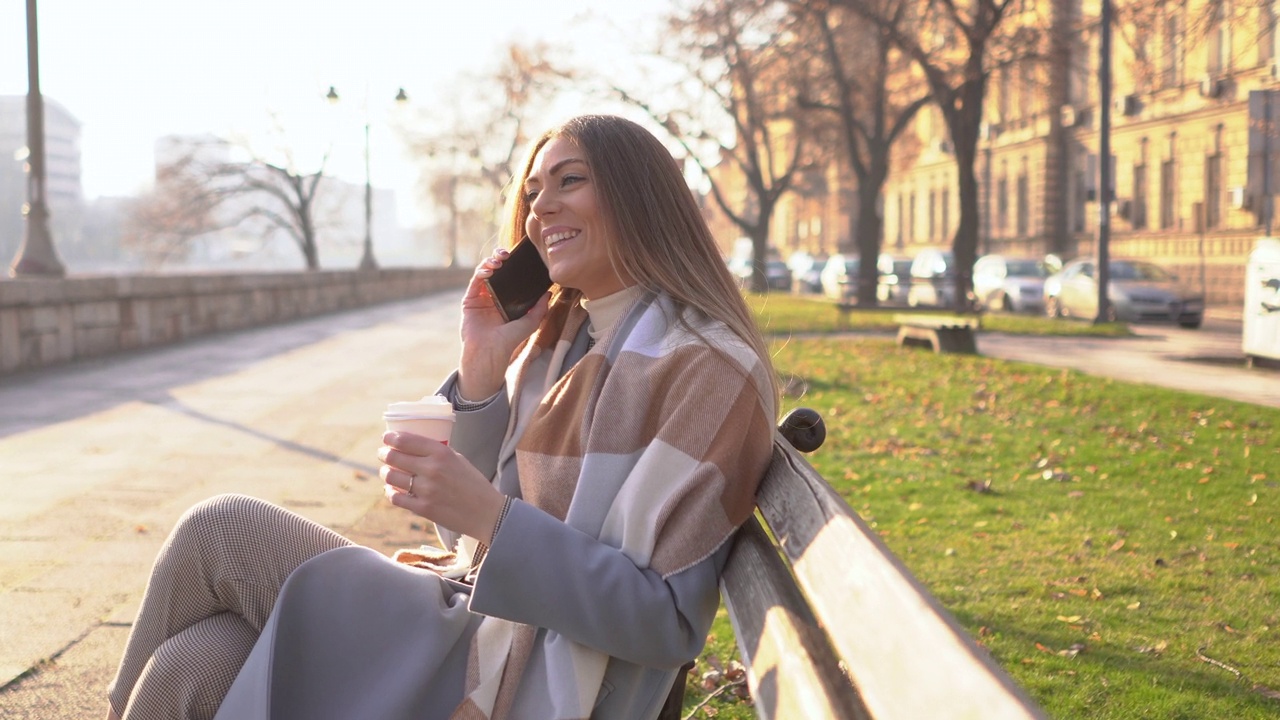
(794, 672)
(908, 657)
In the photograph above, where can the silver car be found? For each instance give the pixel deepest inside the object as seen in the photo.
(1136, 292)
(1013, 284)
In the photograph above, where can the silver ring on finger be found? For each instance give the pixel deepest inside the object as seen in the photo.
(411, 479)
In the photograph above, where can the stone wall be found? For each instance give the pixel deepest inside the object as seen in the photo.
(48, 321)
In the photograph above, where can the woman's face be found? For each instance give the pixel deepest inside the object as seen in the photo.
(566, 221)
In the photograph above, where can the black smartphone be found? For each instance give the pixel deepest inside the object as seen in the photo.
(516, 286)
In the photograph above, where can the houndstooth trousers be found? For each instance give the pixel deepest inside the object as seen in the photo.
(210, 593)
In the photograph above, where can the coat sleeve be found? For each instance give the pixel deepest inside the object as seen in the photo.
(477, 436)
(543, 572)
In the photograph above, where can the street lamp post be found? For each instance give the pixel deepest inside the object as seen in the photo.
(367, 261)
(37, 256)
(1105, 179)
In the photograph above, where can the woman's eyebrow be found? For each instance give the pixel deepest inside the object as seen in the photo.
(560, 165)
(533, 179)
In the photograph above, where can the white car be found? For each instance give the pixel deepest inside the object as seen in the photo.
(933, 279)
(1012, 284)
(839, 277)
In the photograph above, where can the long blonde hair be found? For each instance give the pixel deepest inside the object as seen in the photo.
(663, 241)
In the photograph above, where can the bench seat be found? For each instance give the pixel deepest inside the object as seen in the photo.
(941, 333)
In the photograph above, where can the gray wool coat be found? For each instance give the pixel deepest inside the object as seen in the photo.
(356, 635)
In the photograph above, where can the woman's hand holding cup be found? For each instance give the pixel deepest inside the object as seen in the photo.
(429, 479)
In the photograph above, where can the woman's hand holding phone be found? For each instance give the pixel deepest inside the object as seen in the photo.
(488, 340)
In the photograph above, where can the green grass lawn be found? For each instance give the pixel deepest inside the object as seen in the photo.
(1104, 540)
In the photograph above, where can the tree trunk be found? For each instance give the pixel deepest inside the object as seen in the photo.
(759, 234)
(310, 252)
(964, 122)
(965, 246)
(868, 229)
(1057, 157)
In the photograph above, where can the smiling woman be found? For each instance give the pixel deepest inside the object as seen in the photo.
(608, 444)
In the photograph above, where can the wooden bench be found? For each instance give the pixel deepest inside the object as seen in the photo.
(830, 624)
(942, 333)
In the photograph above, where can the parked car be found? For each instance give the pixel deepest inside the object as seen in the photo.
(1137, 291)
(933, 279)
(1013, 284)
(895, 279)
(806, 272)
(839, 277)
(776, 274)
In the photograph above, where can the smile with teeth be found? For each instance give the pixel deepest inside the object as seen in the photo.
(557, 238)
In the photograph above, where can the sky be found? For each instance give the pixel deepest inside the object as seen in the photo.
(134, 70)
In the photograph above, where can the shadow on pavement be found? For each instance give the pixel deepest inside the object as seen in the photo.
(169, 402)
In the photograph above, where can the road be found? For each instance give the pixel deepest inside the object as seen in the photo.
(98, 459)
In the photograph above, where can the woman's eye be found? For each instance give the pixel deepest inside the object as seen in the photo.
(529, 195)
(571, 179)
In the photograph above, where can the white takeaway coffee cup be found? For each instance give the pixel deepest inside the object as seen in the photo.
(432, 417)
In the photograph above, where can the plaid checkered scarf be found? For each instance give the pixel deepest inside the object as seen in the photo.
(689, 404)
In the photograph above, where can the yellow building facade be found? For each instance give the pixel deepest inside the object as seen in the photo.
(1188, 146)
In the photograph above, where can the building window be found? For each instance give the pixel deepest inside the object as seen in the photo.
(1213, 190)
(1266, 33)
(1167, 184)
(1138, 218)
(1218, 47)
(933, 215)
(902, 222)
(1002, 97)
(1170, 61)
(1029, 94)
(1024, 206)
(1002, 206)
(946, 212)
(911, 217)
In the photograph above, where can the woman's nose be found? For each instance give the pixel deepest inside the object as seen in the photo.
(542, 204)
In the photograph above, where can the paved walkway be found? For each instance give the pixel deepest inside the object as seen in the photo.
(1209, 362)
(98, 459)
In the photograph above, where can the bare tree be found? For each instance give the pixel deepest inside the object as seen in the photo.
(286, 200)
(203, 190)
(469, 156)
(161, 224)
(737, 56)
(951, 42)
(850, 81)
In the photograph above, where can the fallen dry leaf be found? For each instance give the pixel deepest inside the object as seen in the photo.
(1074, 650)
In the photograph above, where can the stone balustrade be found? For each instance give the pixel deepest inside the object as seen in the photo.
(44, 322)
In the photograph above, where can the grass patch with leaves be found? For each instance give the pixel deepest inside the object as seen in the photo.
(1113, 545)
(780, 314)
